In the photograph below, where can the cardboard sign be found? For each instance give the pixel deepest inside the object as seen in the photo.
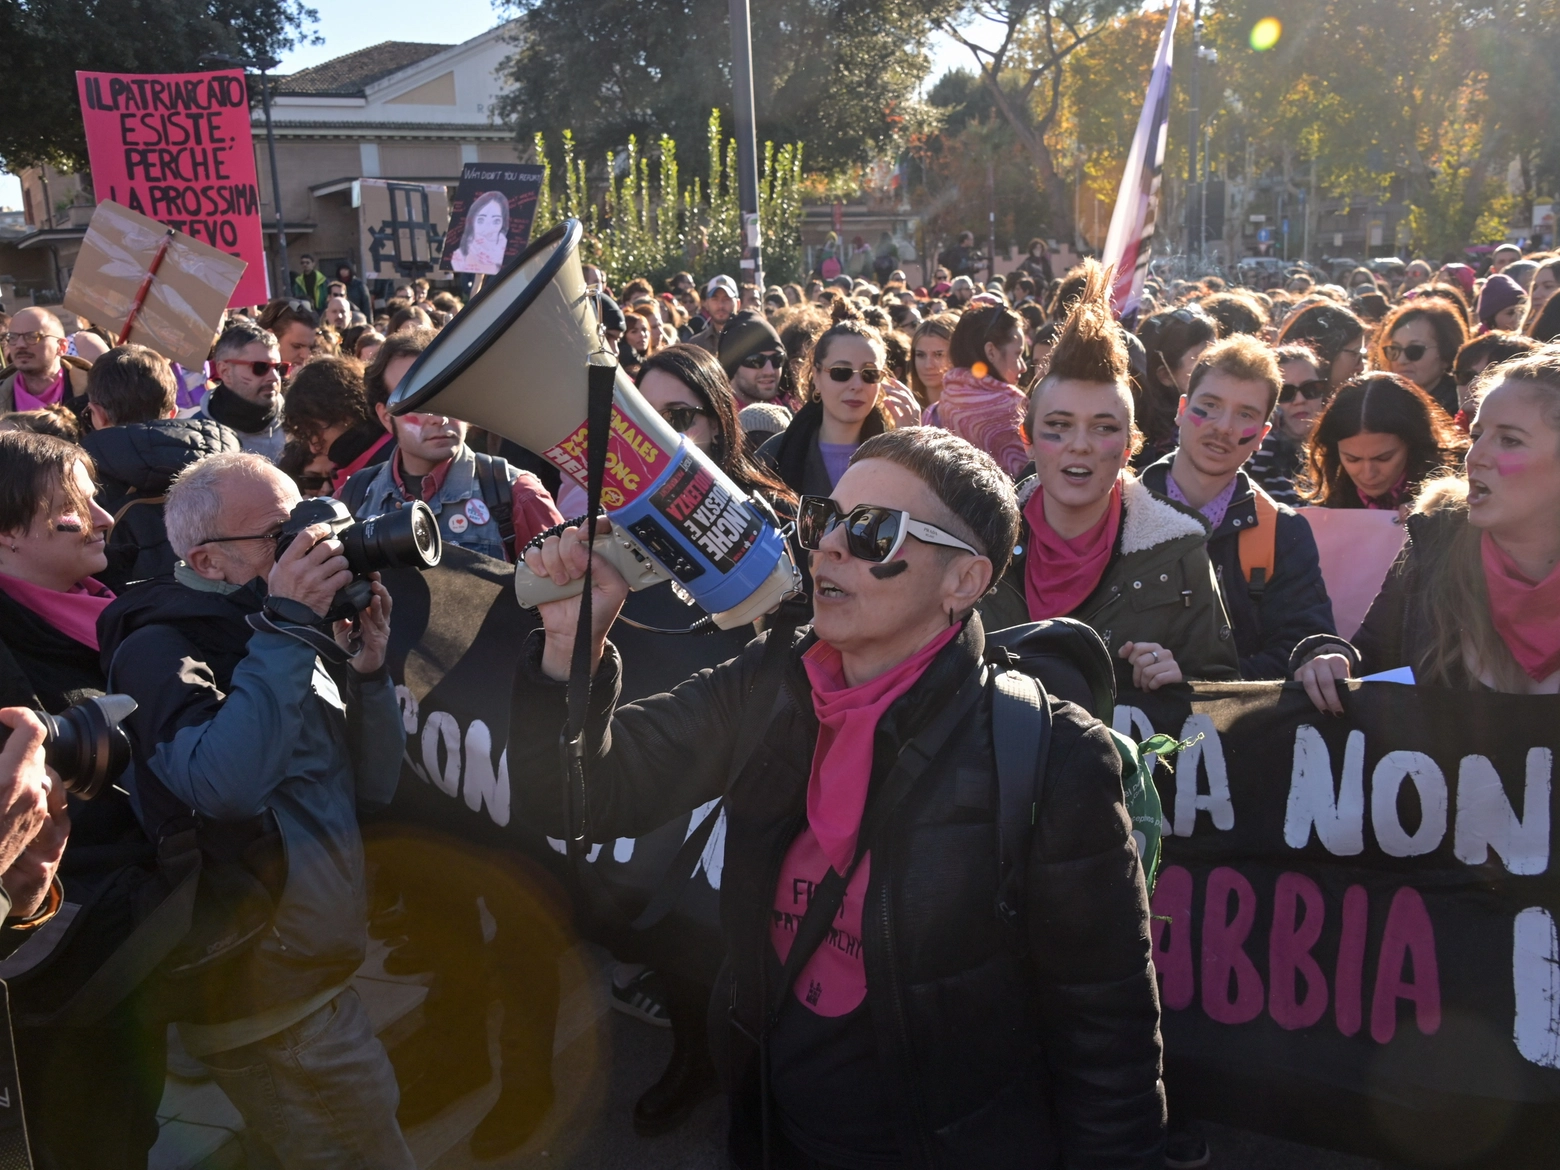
(1357, 546)
(490, 222)
(171, 289)
(402, 227)
(177, 147)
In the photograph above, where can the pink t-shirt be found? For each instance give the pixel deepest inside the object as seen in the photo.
(834, 981)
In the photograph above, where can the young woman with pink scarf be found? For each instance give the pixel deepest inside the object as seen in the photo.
(52, 539)
(1473, 602)
(1097, 545)
(980, 398)
(923, 1030)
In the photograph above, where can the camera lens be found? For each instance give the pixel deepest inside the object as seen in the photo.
(407, 536)
(85, 744)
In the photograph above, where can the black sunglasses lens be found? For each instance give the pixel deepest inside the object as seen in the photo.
(812, 520)
(870, 533)
(680, 418)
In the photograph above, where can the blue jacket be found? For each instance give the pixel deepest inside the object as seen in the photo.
(1291, 607)
(235, 725)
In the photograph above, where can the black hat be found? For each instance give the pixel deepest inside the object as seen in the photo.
(611, 316)
(746, 334)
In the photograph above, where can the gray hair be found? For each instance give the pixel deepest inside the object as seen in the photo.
(239, 336)
(194, 501)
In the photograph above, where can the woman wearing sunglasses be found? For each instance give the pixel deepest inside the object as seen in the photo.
(52, 546)
(842, 409)
(1419, 341)
(1277, 463)
(1375, 443)
(924, 1030)
(980, 398)
(1097, 545)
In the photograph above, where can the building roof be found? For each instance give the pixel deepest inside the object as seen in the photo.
(352, 73)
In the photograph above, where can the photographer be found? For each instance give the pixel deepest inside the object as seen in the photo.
(244, 723)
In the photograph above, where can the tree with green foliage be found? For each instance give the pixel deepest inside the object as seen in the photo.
(838, 74)
(44, 42)
(641, 227)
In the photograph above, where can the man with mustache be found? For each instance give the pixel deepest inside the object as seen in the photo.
(1272, 581)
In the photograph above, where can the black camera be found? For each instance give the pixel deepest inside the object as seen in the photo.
(86, 744)
(406, 536)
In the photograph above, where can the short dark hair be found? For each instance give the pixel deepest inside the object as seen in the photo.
(997, 324)
(32, 466)
(239, 335)
(407, 343)
(967, 481)
(1491, 349)
(328, 392)
(132, 384)
(1328, 328)
(1235, 312)
(284, 311)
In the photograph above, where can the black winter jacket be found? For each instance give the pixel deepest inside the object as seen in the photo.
(135, 464)
(1290, 608)
(993, 1057)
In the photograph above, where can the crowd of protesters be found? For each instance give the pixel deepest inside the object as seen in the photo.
(1046, 460)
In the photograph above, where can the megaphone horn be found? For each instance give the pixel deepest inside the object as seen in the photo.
(516, 361)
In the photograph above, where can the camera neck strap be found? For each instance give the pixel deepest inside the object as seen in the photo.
(293, 619)
(602, 380)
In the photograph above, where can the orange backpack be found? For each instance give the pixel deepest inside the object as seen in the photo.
(1256, 544)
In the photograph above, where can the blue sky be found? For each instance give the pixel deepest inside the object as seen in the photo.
(345, 26)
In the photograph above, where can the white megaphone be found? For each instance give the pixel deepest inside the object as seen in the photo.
(517, 361)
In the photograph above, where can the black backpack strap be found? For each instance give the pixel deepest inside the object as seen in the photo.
(1021, 741)
(355, 490)
(499, 498)
(766, 696)
(913, 760)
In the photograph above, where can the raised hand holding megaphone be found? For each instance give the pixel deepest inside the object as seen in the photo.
(520, 360)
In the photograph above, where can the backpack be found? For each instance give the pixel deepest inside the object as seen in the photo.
(496, 494)
(1256, 546)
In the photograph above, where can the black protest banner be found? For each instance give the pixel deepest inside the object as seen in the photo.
(1354, 929)
(456, 634)
(1355, 917)
(490, 221)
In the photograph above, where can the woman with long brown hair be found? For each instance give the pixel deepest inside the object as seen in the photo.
(1375, 443)
(1473, 602)
(929, 360)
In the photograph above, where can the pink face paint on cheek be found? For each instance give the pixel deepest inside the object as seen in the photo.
(1196, 415)
(1509, 465)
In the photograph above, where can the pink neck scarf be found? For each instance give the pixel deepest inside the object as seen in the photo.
(842, 760)
(73, 613)
(26, 400)
(1059, 574)
(1526, 615)
(986, 411)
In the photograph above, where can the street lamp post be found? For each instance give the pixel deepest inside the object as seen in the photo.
(747, 143)
(262, 65)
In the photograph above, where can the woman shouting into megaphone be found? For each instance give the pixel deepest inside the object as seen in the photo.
(905, 1021)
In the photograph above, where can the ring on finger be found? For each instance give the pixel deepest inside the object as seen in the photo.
(1155, 653)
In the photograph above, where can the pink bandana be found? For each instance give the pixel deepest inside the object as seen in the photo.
(25, 400)
(73, 613)
(1526, 614)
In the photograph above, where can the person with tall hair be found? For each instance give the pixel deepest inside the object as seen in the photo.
(927, 1031)
(1473, 601)
(1334, 334)
(980, 399)
(53, 539)
(1419, 341)
(1375, 443)
(1302, 397)
(843, 407)
(1263, 553)
(486, 235)
(1173, 339)
(1097, 545)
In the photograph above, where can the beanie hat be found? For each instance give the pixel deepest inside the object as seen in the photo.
(763, 419)
(746, 333)
(1500, 293)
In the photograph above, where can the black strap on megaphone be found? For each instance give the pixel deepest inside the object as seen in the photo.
(598, 418)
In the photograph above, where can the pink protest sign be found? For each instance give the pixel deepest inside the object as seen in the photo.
(1357, 546)
(177, 147)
